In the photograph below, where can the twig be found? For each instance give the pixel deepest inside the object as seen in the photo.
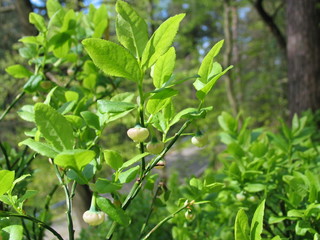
(17, 98)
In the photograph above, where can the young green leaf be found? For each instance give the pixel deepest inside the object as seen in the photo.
(40, 147)
(6, 179)
(53, 6)
(163, 68)
(132, 30)
(75, 159)
(160, 100)
(18, 71)
(204, 88)
(113, 59)
(206, 65)
(54, 127)
(113, 159)
(38, 21)
(161, 40)
(134, 160)
(257, 222)
(115, 213)
(241, 229)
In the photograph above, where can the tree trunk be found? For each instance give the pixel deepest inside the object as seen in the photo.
(303, 52)
(24, 8)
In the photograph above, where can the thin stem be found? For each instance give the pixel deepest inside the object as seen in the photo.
(141, 116)
(26, 230)
(163, 221)
(69, 203)
(42, 224)
(4, 151)
(138, 184)
(17, 98)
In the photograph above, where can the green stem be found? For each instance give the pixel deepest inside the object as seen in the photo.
(42, 224)
(163, 221)
(69, 203)
(138, 184)
(17, 98)
(141, 116)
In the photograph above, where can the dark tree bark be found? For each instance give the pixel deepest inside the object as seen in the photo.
(24, 8)
(303, 52)
(269, 21)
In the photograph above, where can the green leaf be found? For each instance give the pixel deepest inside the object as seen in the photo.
(38, 21)
(39, 147)
(15, 232)
(60, 44)
(129, 175)
(206, 65)
(163, 68)
(161, 41)
(54, 127)
(32, 83)
(254, 187)
(160, 100)
(105, 106)
(182, 113)
(6, 179)
(27, 113)
(113, 159)
(132, 30)
(91, 119)
(205, 89)
(276, 238)
(115, 213)
(257, 222)
(134, 160)
(241, 230)
(113, 59)
(53, 6)
(75, 159)
(105, 186)
(18, 71)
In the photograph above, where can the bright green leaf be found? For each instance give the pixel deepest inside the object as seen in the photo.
(54, 127)
(18, 71)
(134, 160)
(241, 229)
(75, 159)
(113, 59)
(91, 119)
(39, 147)
(113, 159)
(6, 179)
(160, 100)
(132, 30)
(163, 68)
(206, 65)
(257, 222)
(161, 40)
(38, 21)
(15, 232)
